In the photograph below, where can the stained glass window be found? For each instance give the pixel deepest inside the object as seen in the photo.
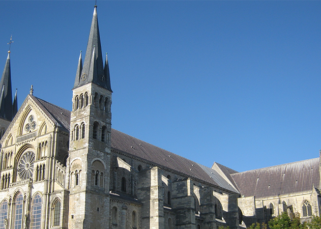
(57, 213)
(3, 214)
(18, 212)
(36, 213)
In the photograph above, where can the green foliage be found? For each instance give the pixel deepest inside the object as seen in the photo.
(255, 226)
(223, 227)
(283, 221)
(315, 223)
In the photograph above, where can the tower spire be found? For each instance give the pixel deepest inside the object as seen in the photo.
(6, 99)
(92, 71)
(79, 69)
(15, 104)
(106, 74)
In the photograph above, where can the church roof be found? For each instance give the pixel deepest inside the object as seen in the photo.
(6, 97)
(58, 115)
(166, 159)
(277, 180)
(227, 172)
(143, 150)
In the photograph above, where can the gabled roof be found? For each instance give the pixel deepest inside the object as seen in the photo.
(58, 115)
(226, 171)
(277, 180)
(129, 145)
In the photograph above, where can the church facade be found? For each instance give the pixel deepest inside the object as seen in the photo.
(70, 169)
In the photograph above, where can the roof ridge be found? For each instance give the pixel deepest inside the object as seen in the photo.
(157, 147)
(274, 166)
(226, 167)
(51, 104)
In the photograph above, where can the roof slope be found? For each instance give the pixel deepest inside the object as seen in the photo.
(227, 172)
(58, 115)
(277, 180)
(161, 157)
(138, 148)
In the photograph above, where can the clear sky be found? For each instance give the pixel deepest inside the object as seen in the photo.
(235, 82)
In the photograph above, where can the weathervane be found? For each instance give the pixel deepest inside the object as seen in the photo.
(10, 42)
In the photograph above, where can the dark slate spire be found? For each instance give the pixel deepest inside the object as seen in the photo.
(79, 69)
(15, 104)
(6, 100)
(93, 70)
(106, 74)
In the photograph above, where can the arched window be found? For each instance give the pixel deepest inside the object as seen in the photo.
(40, 172)
(169, 198)
(96, 177)
(76, 178)
(5, 161)
(76, 103)
(271, 209)
(81, 100)
(36, 213)
(101, 179)
(114, 216)
(101, 103)
(306, 209)
(83, 129)
(106, 108)
(123, 184)
(218, 209)
(18, 212)
(86, 99)
(284, 206)
(95, 131)
(3, 214)
(103, 133)
(76, 132)
(139, 168)
(96, 100)
(37, 175)
(134, 220)
(56, 213)
(43, 172)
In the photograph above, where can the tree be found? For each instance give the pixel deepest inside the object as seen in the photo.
(315, 222)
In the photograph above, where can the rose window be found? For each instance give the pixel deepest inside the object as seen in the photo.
(25, 165)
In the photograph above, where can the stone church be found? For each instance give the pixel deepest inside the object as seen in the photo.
(70, 169)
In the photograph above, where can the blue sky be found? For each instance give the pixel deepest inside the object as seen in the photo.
(236, 82)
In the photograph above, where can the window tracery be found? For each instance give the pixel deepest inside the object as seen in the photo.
(25, 165)
(18, 212)
(306, 209)
(36, 213)
(3, 214)
(56, 213)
